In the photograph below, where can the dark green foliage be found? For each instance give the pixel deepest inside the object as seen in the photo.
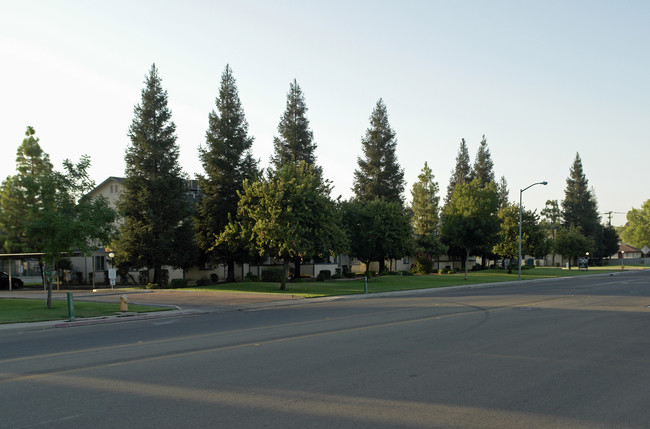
(462, 173)
(178, 283)
(273, 275)
(503, 192)
(295, 142)
(214, 278)
(425, 220)
(53, 215)
(157, 229)
(324, 275)
(250, 277)
(227, 161)
(379, 175)
(483, 169)
(572, 243)
(533, 236)
(19, 194)
(204, 281)
(637, 228)
(377, 231)
(579, 207)
(469, 220)
(288, 215)
(425, 203)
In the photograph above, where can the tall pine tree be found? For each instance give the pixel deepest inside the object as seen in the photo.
(425, 221)
(379, 175)
(462, 173)
(17, 194)
(579, 207)
(504, 193)
(157, 229)
(227, 161)
(483, 166)
(425, 204)
(295, 141)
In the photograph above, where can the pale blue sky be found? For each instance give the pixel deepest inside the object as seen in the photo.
(541, 79)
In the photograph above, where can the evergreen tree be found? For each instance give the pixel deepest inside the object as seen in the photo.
(295, 142)
(379, 175)
(483, 165)
(227, 161)
(551, 217)
(157, 228)
(426, 220)
(18, 194)
(504, 193)
(579, 207)
(462, 173)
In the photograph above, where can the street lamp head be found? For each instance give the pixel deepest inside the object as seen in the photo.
(545, 183)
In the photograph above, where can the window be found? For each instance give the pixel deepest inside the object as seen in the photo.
(405, 260)
(100, 263)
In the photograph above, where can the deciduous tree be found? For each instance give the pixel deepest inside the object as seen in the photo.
(637, 228)
(287, 215)
(469, 220)
(571, 243)
(377, 230)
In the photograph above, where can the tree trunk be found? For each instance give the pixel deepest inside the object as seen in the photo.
(296, 268)
(382, 265)
(466, 262)
(230, 276)
(285, 272)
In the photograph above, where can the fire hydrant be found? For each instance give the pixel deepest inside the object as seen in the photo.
(124, 303)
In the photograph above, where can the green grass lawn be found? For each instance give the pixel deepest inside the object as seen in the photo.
(35, 310)
(310, 289)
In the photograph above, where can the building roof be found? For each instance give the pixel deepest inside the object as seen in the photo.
(110, 179)
(628, 249)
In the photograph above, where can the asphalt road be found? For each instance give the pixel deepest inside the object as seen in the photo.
(571, 353)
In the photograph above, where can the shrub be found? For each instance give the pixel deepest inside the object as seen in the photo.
(153, 286)
(272, 275)
(250, 277)
(372, 273)
(178, 283)
(324, 275)
(406, 273)
(350, 275)
(203, 281)
(214, 278)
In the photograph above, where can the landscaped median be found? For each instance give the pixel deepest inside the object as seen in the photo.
(14, 310)
(390, 283)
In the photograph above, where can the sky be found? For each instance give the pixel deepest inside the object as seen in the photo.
(542, 80)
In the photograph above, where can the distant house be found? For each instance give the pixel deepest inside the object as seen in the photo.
(625, 251)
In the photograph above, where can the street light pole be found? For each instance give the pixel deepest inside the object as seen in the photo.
(521, 191)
